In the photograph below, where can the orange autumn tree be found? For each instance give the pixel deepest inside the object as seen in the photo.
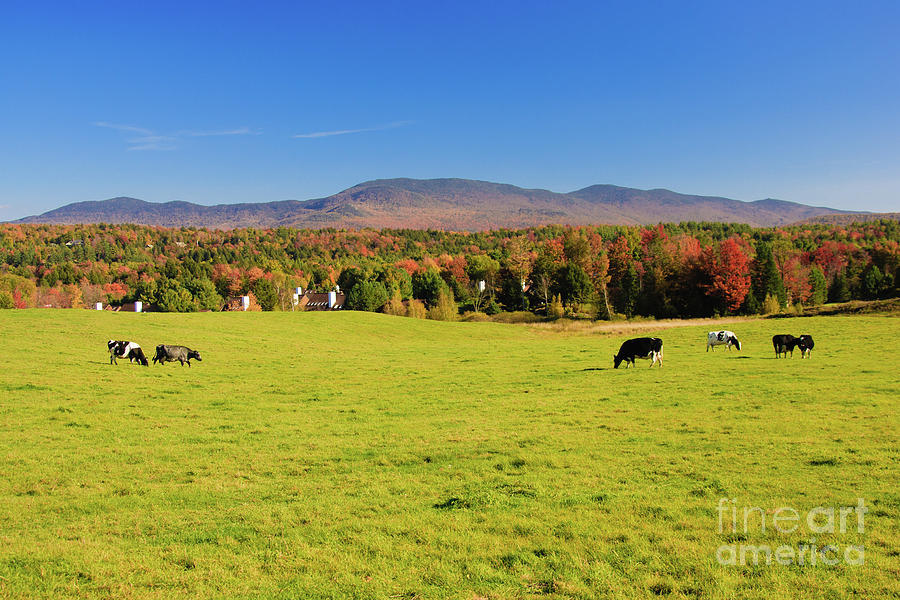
(728, 270)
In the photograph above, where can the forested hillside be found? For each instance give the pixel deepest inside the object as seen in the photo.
(685, 270)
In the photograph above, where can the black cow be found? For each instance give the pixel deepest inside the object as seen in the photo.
(651, 348)
(784, 343)
(182, 354)
(122, 349)
(806, 344)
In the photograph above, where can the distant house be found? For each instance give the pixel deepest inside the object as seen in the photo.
(326, 301)
(242, 303)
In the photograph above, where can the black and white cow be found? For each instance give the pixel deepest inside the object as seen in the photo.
(784, 343)
(651, 348)
(806, 344)
(122, 349)
(182, 354)
(722, 338)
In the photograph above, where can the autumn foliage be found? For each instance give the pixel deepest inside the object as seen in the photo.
(728, 268)
(685, 270)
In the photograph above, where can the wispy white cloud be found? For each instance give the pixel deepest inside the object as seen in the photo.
(239, 131)
(321, 134)
(148, 139)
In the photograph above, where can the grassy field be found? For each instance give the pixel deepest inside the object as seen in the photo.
(353, 455)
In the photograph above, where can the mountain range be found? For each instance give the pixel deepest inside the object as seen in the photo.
(449, 204)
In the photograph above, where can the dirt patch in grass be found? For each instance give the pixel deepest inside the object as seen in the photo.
(611, 328)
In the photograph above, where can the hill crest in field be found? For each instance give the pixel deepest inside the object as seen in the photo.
(450, 204)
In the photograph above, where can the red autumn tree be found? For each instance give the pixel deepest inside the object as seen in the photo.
(728, 270)
(620, 257)
(115, 291)
(554, 249)
(796, 279)
(409, 265)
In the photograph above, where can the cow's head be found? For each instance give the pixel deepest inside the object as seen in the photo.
(617, 360)
(111, 343)
(194, 355)
(735, 342)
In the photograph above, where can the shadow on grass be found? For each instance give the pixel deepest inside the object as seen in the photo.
(595, 369)
(453, 503)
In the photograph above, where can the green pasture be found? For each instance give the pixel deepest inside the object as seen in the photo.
(357, 455)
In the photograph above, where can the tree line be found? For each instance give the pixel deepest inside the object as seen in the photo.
(692, 269)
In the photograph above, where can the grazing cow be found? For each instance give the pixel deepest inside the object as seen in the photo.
(122, 349)
(651, 348)
(784, 343)
(182, 354)
(722, 338)
(806, 344)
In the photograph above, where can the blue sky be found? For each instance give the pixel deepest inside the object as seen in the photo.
(258, 101)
